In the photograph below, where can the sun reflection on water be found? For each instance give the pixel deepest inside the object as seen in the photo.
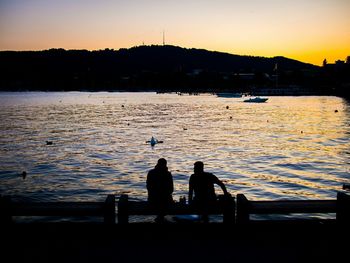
(289, 147)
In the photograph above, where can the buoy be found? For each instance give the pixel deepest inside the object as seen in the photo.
(227, 107)
(336, 111)
(24, 174)
(122, 106)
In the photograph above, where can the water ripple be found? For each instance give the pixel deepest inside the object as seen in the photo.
(289, 147)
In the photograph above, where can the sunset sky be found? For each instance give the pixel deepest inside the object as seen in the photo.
(306, 30)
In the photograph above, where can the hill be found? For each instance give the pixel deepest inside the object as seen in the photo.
(159, 58)
(143, 68)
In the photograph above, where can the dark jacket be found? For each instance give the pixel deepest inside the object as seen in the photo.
(160, 186)
(203, 186)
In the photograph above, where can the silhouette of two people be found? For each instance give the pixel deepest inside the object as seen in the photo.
(160, 187)
(201, 189)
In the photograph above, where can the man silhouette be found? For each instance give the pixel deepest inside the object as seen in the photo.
(202, 185)
(160, 188)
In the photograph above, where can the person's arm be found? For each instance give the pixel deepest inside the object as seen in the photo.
(148, 182)
(171, 183)
(222, 185)
(190, 192)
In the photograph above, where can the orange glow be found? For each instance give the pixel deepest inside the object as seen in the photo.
(304, 30)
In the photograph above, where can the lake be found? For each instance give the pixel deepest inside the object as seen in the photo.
(285, 148)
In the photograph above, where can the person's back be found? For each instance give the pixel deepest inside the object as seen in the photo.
(160, 187)
(202, 185)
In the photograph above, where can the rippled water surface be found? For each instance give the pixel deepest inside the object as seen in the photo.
(288, 147)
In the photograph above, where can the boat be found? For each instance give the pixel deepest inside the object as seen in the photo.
(229, 95)
(154, 141)
(256, 100)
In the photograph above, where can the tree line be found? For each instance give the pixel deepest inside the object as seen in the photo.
(164, 68)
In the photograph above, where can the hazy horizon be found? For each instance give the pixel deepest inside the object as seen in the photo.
(308, 31)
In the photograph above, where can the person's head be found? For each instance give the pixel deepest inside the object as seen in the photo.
(198, 167)
(161, 164)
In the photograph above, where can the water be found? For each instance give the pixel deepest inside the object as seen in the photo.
(286, 148)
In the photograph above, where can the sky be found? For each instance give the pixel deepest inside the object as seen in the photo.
(306, 30)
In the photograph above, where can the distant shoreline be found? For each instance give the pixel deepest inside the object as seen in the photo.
(179, 92)
(169, 69)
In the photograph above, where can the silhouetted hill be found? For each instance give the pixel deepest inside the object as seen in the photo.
(168, 58)
(145, 68)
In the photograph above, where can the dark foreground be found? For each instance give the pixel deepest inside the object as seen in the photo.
(270, 242)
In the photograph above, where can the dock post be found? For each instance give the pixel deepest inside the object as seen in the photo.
(109, 210)
(242, 209)
(343, 208)
(123, 213)
(229, 206)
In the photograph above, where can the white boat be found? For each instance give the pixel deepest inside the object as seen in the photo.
(256, 100)
(229, 95)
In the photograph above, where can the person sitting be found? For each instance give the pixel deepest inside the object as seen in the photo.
(202, 185)
(160, 188)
